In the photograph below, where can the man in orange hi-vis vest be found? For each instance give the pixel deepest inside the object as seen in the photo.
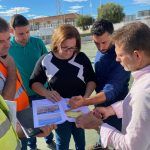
(11, 87)
(20, 96)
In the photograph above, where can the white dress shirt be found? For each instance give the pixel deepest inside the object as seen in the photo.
(135, 114)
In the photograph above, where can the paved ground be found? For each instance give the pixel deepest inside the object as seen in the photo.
(91, 137)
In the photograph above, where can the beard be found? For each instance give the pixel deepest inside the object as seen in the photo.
(105, 50)
(23, 42)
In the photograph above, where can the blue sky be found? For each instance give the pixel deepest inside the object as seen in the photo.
(39, 8)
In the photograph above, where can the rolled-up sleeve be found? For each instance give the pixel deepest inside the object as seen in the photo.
(116, 84)
(118, 108)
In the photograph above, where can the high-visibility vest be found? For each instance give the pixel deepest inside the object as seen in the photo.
(8, 137)
(21, 97)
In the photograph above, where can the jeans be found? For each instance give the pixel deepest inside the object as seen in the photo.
(24, 142)
(63, 135)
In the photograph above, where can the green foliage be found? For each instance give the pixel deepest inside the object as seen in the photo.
(84, 21)
(112, 12)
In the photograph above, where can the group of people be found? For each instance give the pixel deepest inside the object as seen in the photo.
(66, 72)
(12, 88)
(132, 50)
(26, 50)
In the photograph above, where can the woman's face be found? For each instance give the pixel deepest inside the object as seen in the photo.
(67, 48)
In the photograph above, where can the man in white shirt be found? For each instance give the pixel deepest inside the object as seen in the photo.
(132, 44)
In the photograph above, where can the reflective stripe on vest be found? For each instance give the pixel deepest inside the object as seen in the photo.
(8, 137)
(2, 76)
(4, 127)
(18, 147)
(7, 133)
(18, 92)
(21, 97)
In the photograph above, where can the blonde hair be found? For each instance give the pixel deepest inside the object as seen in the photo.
(62, 33)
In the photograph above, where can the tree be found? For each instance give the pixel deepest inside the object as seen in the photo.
(84, 21)
(112, 12)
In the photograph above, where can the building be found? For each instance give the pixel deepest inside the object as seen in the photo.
(43, 27)
(128, 18)
(143, 16)
(144, 13)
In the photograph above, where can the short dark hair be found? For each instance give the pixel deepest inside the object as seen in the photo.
(3, 25)
(18, 20)
(101, 26)
(133, 36)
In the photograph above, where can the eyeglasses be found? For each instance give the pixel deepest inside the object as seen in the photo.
(71, 49)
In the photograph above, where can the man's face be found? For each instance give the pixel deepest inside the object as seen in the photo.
(128, 60)
(102, 42)
(4, 43)
(22, 34)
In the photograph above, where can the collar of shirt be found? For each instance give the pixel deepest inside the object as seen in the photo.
(137, 74)
(18, 44)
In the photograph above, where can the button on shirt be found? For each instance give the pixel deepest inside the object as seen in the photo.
(135, 114)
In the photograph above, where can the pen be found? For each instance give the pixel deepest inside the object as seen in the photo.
(51, 89)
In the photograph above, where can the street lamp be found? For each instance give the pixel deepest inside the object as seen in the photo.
(100, 3)
(90, 5)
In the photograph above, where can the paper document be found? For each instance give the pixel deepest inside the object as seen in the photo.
(46, 112)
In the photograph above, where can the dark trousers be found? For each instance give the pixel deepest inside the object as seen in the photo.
(32, 141)
(63, 135)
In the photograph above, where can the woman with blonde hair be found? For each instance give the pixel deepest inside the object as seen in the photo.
(69, 73)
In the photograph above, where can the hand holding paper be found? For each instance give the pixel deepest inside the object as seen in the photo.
(76, 101)
(88, 121)
(46, 112)
(103, 112)
(53, 95)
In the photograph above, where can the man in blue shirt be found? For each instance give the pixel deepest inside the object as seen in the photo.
(112, 79)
